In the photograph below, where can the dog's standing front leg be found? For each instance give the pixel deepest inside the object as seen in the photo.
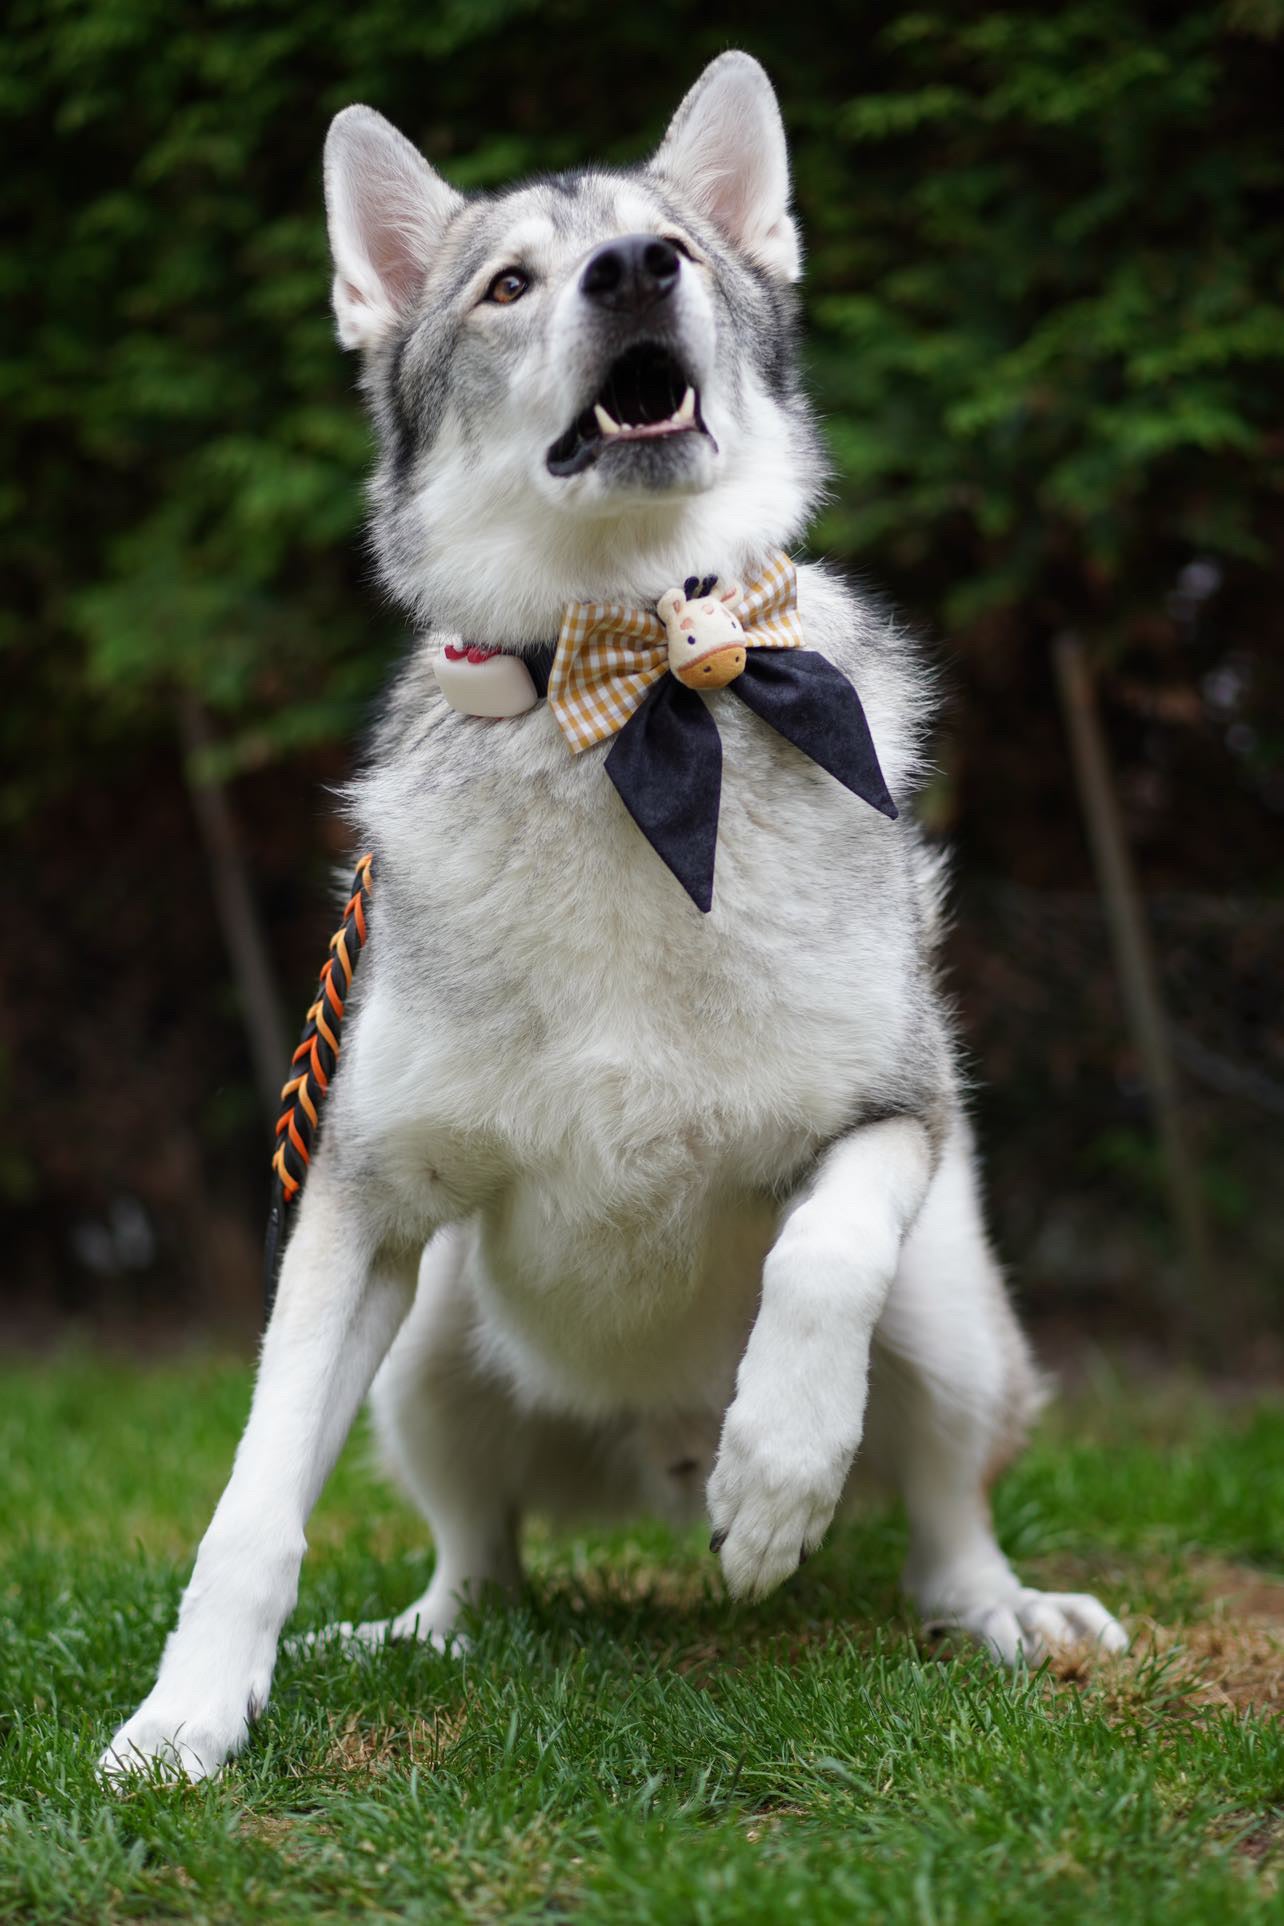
(795, 1422)
(344, 1291)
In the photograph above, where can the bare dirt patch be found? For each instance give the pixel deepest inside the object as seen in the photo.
(360, 1748)
(1224, 1647)
(278, 1830)
(1234, 1655)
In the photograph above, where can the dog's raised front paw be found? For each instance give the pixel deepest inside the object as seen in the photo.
(179, 1741)
(770, 1503)
(1031, 1626)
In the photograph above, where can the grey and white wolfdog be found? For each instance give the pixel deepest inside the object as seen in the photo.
(619, 1205)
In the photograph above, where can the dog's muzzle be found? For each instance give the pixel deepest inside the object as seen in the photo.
(647, 394)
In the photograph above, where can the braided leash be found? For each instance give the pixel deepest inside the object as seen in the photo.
(312, 1066)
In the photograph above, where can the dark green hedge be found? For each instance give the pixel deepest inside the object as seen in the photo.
(1045, 287)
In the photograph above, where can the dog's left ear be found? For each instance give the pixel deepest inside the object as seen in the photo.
(725, 152)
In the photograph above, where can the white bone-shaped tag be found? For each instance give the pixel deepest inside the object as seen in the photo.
(499, 685)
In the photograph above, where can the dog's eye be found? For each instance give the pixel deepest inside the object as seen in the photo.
(676, 240)
(509, 285)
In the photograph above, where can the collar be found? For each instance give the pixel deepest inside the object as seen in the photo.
(647, 677)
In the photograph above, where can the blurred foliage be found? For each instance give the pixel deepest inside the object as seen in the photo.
(1057, 334)
(1045, 325)
(1046, 302)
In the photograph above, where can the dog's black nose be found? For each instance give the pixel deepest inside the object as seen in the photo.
(631, 273)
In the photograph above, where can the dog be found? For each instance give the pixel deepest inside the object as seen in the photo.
(624, 1199)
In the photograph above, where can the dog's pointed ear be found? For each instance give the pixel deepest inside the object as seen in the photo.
(387, 211)
(725, 152)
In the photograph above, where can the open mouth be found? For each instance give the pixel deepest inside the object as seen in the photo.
(646, 397)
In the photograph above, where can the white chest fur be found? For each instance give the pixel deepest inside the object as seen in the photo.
(552, 1037)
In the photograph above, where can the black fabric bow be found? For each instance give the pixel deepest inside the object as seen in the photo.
(666, 762)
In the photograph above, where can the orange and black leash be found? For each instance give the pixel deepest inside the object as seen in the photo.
(311, 1069)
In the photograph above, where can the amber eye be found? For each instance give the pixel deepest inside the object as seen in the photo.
(509, 285)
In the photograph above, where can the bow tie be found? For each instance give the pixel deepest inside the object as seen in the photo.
(636, 674)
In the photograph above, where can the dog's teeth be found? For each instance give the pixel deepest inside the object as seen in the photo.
(687, 411)
(607, 423)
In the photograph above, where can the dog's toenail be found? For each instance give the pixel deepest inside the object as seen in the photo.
(718, 1540)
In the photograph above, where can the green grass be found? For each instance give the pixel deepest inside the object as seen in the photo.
(625, 1745)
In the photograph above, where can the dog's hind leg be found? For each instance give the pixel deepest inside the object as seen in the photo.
(451, 1435)
(953, 1389)
(475, 1458)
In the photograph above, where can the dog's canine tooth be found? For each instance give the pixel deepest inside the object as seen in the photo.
(607, 423)
(686, 411)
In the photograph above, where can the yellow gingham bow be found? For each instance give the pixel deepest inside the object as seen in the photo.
(610, 655)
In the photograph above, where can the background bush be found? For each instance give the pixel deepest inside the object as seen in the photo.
(1046, 305)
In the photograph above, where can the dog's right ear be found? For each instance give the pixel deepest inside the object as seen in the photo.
(387, 211)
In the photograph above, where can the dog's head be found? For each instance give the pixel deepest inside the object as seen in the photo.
(584, 387)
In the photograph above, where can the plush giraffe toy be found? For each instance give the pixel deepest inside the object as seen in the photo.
(706, 639)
